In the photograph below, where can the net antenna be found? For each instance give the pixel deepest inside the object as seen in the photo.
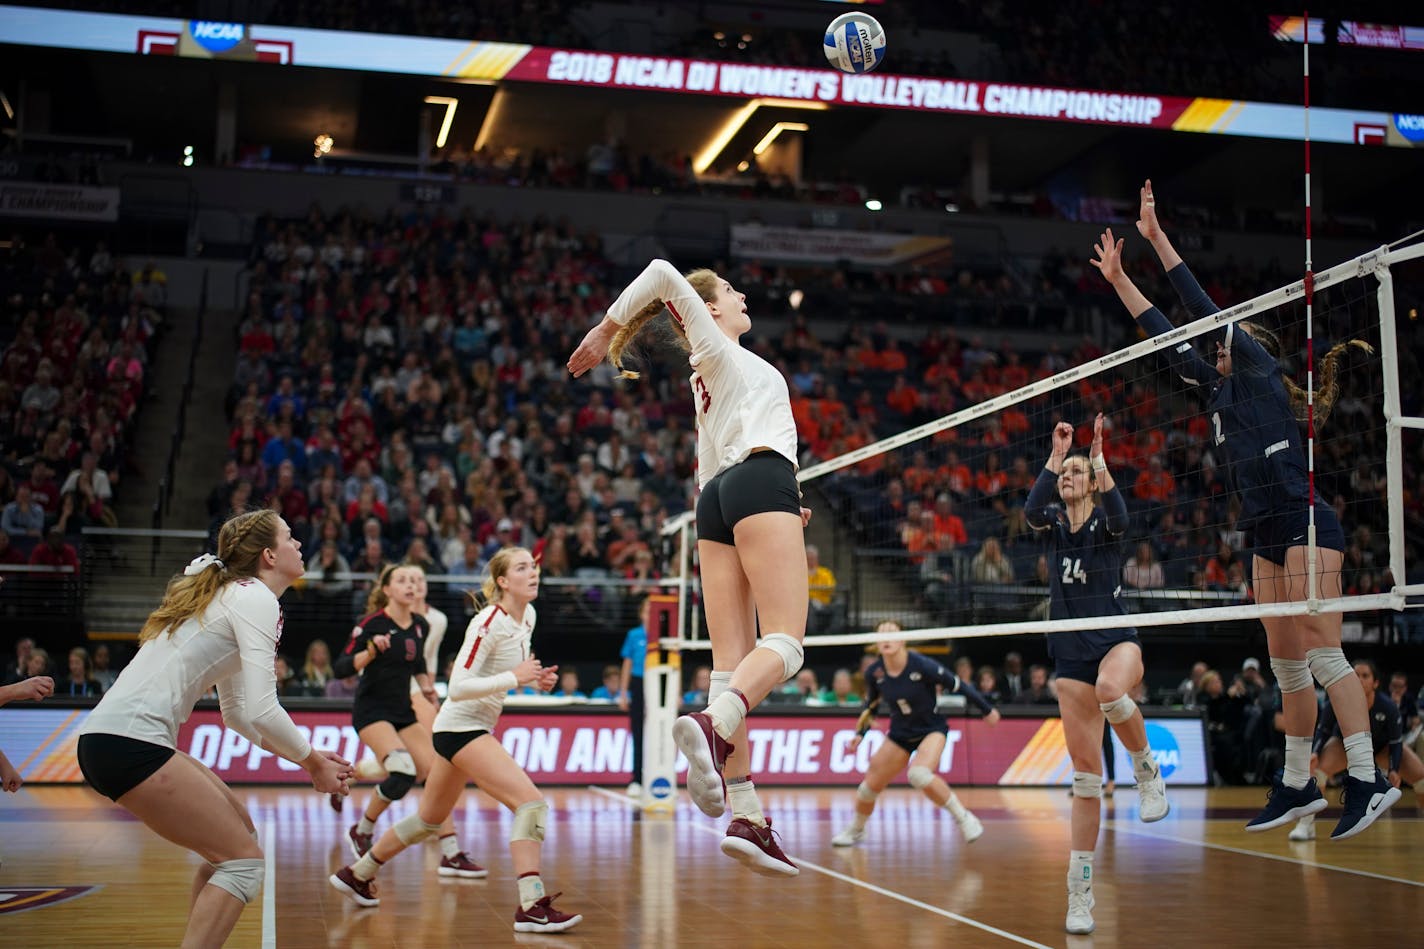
(1311, 554)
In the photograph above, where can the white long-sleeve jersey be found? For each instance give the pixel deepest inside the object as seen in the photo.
(494, 644)
(438, 622)
(232, 645)
(742, 400)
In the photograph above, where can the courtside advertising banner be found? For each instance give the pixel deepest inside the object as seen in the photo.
(494, 61)
(577, 749)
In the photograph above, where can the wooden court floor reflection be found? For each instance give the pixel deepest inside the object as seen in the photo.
(1192, 880)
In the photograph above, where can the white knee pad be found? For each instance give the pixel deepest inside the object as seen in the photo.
(529, 821)
(866, 793)
(920, 777)
(1119, 709)
(1292, 675)
(242, 878)
(721, 682)
(412, 830)
(399, 762)
(1328, 665)
(789, 649)
(1087, 784)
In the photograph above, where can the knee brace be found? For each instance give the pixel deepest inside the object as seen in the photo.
(412, 830)
(721, 682)
(529, 821)
(788, 649)
(1328, 665)
(1087, 784)
(866, 793)
(920, 777)
(242, 878)
(400, 775)
(1119, 709)
(1292, 675)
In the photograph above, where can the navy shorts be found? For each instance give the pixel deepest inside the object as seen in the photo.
(765, 481)
(1278, 531)
(449, 744)
(1083, 668)
(114, 764)
(911, 741)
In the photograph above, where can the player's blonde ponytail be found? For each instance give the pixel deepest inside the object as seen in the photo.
(240, 544)
(1329, 372)
(704, 281)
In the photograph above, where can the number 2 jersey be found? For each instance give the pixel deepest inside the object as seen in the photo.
(741, 400)
(912, 695)
(1084, 567)
(483, 674)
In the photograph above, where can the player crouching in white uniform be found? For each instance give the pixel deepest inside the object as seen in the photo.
(219, 625)
(494, 658)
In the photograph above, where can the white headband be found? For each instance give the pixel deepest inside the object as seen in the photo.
(201, 563)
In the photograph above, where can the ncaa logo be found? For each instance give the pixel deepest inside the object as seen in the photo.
(661, 788)
(1410, 126)
(1164, 748)
(214, 35)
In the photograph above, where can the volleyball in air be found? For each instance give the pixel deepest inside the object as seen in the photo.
(855, 42)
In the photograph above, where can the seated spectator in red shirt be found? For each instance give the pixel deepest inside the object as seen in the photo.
(1013, 375)
(919, 474)
(942, 370)
(55, 551)
(1155, 483)
(955, 476)
(992, 481)
(948, 526)
(286, 498)
(891, 359)
(903, 397)
(366, 506)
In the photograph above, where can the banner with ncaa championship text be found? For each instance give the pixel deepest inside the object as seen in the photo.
(59, 202)
(830, 246)
(572, 747)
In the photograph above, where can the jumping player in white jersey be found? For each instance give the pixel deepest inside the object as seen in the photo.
(1096, 668)
(494, 658)
(218, 624)
(1256, 411)
(750, 525)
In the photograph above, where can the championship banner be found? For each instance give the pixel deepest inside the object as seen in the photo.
(1295, 29)
(863, 248)
(577, 748)
(462, 59)
(59, 202)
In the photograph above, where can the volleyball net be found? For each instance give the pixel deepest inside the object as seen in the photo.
(934, 512)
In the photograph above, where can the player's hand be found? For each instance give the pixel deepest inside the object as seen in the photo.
(622, 701)
(852, 744)
(1314, 763)
(1109, 259)
(1096, 451)
(32, 689)
(1147, 224)
(1062, 439)
(10, 779)
(528, 671)
(805, 517)
(381, 642)
(1393, 778)
(548, 678)
(431, 696)
(991, 717)
(330, 773)
(593, 349)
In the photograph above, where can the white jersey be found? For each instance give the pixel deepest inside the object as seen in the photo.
(438, 623)
(494, 644)
(742, 402)
(232, 645)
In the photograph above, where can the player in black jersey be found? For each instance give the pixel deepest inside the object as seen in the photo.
(1255, 414)
(1096, 667)
(1386, 739)
(387, 647)
(909, 683)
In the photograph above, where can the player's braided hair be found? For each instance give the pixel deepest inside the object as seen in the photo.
(240, 544)
(1328, 370)
(704, 281)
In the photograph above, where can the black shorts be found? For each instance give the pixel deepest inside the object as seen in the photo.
(911, 741)
(364, 713)
(765, 481)
(114, 765)
(1278, 531)
(1085, 668)
(448, 744)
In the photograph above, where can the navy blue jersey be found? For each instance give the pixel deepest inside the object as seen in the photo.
(911, 695)
(1386, 729)
(1252, 423)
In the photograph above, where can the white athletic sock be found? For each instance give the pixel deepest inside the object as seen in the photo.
(728, 711)
(449, 845)
(365, 825)
(1142, 761)
(1080, 868)
(1297, 769)
(742, 795)
(1359, 752)
(857, 823)
(954, 807)
(366, 867)
(531, 889)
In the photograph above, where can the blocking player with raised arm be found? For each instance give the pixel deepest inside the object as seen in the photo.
(388, 648)
(218, 624)
(909, 683)
(495, 657)
(1327, 757)
(750, 524)
(1096, 668)
(1256, 412)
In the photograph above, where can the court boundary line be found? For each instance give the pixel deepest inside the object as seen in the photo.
(1280, 858)
(836, 875)
(269, 889)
